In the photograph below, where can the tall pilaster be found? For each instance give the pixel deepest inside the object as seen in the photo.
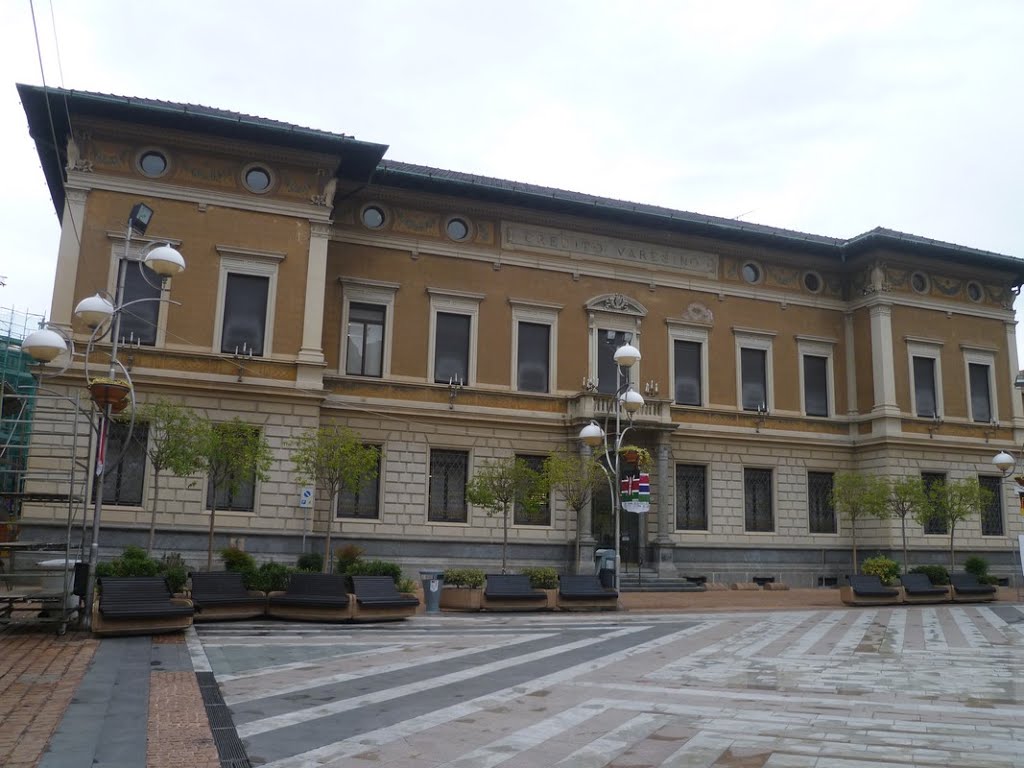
(1016, 408)
(584, 526)
(664, 548)
(72, 226)
(311, 354)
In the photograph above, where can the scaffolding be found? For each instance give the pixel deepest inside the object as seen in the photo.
(45, 444)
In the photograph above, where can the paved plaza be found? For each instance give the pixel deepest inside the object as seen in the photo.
(831, 687)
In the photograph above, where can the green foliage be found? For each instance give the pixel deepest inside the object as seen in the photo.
(348, 556)
(174, 567)
(174, 433)
(976, 565)
(310, 561)
(375, 568)
(907, 498)
(644, 461)
(885, 568)
(937, 574)
(463, 577)
(856, 495)
(406, 585)
(542, 577)
(573, 477)
(134, 561)
(989, 579)
(950, 503)
(269, 577)
(498, 484)
(237, 560)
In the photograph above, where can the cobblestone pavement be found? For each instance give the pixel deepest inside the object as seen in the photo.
(830, 688)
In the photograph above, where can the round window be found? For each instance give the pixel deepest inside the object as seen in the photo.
(153, 163)
(373, 217)
(751, 272)
(457, 229)
(919, 282)
(257, 179)
(974, 292)
(812, 282)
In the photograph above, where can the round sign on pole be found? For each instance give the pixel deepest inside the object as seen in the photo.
(306, 497)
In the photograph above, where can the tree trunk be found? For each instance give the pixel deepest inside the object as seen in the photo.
(579, 546)
(504, 540)
(906, 561)
(328, 558)
(152, 517)
(209, 540)
(952, 554)
(853, 539)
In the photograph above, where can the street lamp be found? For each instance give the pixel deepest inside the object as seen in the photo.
(110, 394)
(627, 400)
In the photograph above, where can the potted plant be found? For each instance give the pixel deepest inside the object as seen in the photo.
(545, 578)
(634, 454)
(463, 589)
(107, 391)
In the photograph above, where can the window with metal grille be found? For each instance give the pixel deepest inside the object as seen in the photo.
(242, 499)
(758, 516)
(691, 497)
(245, 314)
(981, 398)
(139, 321)
(607, 370)
(365, 502)
(448, 473)
(687, 372)
(924, 386)
(753, 364)
(365, 347)
(820, 512)
(533, 357)
(930, 480)
(123, 482)
(451, 348)
(992, 511)
(816, 385)
(542, 514)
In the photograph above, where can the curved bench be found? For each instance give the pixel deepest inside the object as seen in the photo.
(222, 595)
(584, 592)
(868, 590)
(378, 599)
(512, 592)
(918, 588)
(139, 605)
(966, 588)
(312, 597)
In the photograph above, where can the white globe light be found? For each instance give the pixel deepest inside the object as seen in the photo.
(94, 310)
(627, 356)
(631, 400)
(592, 435)
(44, 345)
(1004, 462)
(165, 261)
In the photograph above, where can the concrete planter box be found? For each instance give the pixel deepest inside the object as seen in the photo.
(461, 598)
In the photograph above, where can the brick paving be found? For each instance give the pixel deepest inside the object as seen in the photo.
(178, 733)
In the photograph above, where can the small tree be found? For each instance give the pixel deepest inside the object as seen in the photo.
(573, 478)
(337, 460)
(230, 453)
(174, 444)
(854, 496)
(906, 497)
(498, 485)
(950, 503)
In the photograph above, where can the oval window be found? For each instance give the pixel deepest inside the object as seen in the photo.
(373, 217)
(457, 229)
(751, 272)
(257, 179)
(153, 163)
(812, 282)
(919, 282)
(974, 292)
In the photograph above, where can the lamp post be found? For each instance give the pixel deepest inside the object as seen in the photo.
(110, 394)
(1006, 463)
(627, 400)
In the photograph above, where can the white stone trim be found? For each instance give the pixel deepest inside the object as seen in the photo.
(247, 262)
(541, 314)
(458, 303)
(678, 331)
(987, 358)
(367, 292)
(931, 348)
(817, 347)
(746, 338)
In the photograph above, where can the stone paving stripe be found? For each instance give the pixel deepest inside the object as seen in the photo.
(600, 752)
(195, 649)
(815, 634)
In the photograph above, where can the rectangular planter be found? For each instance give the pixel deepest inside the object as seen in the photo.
(461, 598)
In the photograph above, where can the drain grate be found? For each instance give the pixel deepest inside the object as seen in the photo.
(229, 747)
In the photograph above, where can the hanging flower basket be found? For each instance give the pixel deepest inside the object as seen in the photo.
(109, 391)
(634, 454)
(120, 405)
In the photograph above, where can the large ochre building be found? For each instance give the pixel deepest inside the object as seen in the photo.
(451, 319)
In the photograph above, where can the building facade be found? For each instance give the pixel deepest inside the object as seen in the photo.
(453, 319)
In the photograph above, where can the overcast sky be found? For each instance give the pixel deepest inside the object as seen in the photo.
(825, 117)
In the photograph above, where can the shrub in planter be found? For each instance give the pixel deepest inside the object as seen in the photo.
(237, 560)
(347, 556)
(937, 574)
(135, 562)
(977, 566)
(310, 561)
(173, 566)
(406, 585)
(885, 568)
(269, 577)
(542, 578)
(463, 577)
(375, 568)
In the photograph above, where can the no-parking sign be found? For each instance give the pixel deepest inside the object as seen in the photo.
(306, 497)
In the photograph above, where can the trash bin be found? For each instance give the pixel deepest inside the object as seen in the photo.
(432, 583)
(604, 564)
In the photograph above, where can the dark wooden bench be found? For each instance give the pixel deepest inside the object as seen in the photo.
(966, 588)
(378, 599)
(222, 595)
(512, 592)
(585, 592)
(139, 605)
(868, 590)
(312, 597)
(918, 588)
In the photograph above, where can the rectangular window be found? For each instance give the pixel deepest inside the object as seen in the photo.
(139, 321)
(245, 314)
(365, 351)
(924, 386)
(451, 348)
(687, 373)
(821, 514)
(691, 497)
(448, 473)
(123, 482)
(981, 397)
(364, 503)
(542, 514)
(607, 371)
(757, 501)
(816, 385)
(992, 510)
(533, 357)
(753, 364)
(242, 499)
(930, 480)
